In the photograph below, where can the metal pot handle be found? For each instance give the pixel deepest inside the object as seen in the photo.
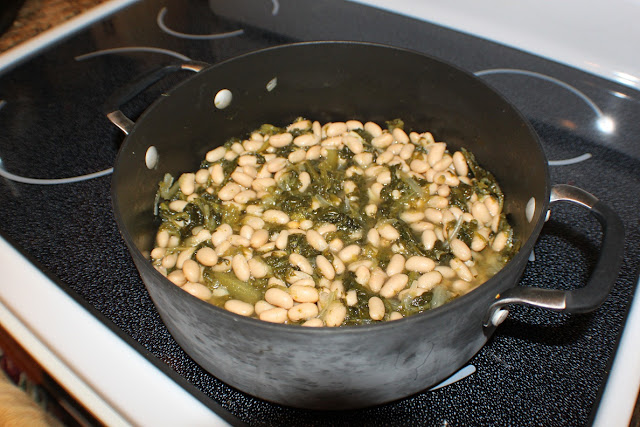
(131, 90)
(604, 275)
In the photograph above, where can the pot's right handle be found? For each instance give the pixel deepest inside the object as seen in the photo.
(604, 275)
(136, 87)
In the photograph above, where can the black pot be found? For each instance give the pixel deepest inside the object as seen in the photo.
(348, 367)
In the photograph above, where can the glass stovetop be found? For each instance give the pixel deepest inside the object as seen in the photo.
(539, 368)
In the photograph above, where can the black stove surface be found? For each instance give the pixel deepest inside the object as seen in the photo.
(539, 368)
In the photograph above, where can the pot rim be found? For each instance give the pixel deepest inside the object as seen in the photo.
(488, 287)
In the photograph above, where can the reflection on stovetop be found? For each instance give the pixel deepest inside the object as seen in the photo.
(540, 366)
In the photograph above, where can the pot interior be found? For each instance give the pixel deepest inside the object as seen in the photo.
(329, 81)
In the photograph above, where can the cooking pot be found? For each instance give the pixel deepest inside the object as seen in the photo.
(358, 366)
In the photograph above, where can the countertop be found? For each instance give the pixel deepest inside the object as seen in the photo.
(37, 16)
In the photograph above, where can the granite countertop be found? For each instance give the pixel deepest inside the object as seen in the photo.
(37, 16)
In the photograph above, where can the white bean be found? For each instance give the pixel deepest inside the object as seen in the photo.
(229, 191)
(436, 152)
(242, 179)
(371, 210)
(240, 267)
(259, 238)
(400, 136)
(443, 164)
(162, 238)
(303, 311)
(261, 184)
(460, 249)
(407, 152)
(215, 154)
(335, 314)
(373, 128)
(325, 267)
(353, 143)
(429, 280)
(177, 277)
(393, 285)
(481, 213)
(305, 140)
(187, 182)
(388, 231)
(395, 315)
(283, 240)
(169, 261)
(492, 206)
(262, 306)
(351, 298)
(191, 270)
(412, 216)
(384, 158)
(376, 308)
(377, 279)
(198, 290)
(279, 298)
(299, 261)
(316, 240)
(207, 256)
(396, 265)
(313, 153)
(384, 177)
(336, 128)
(461, 269)
(433, 215)
(217, 173)
(363, 275)
(478, 243)
(274, 315)
(297, 156)
(178, 205)
(382, 141)
(336, 245)
(245, 197)
(460, 164)
(158, 253)
(239, 307)
(305, 180)
(313, 323)
(349, 253)
(221, 234)
(373, 237)
(354, 124)
(183, 256)
(420, 264)
(419, 166)
(276, 164)
(363, 159)
(301, 125)
(500, 241)
(258, 268)
(280, 140)
(275, 216)
(301, 293)
(438, 202)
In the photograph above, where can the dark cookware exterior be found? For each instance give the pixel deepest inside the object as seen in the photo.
(349, 367)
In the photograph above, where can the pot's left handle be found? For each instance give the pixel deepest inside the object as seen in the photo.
(139, 85)
(602, 279)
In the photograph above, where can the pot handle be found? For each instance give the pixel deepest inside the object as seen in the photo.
(604, 275)
(131, 90)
